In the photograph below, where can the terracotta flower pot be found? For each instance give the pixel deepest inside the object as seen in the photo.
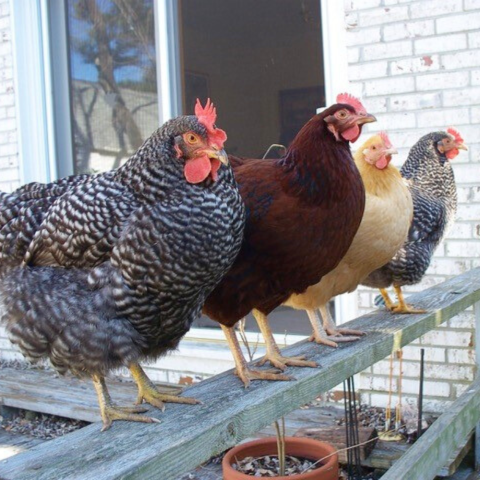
(295, 446)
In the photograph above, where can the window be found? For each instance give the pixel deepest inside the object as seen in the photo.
(261, 61)
(113, 80)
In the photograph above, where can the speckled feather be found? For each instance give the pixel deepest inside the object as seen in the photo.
(143, 249)
(431, 183)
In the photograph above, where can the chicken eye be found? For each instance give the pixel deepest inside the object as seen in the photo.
(374, 147)
(191, 138)
(342, 114)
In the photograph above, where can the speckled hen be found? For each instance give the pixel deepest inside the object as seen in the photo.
(431, 182)
(116, 267)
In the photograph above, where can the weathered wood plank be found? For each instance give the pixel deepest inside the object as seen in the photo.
(189, 435)
(66, 396)
(12, 444)
(448, 432)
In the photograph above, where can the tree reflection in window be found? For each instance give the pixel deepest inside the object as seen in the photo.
(112, 80)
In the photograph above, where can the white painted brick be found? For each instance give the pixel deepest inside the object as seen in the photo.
(426, 63)
(389, 86)
(475, 77)
(7, 124)
(429, 8)
(458, 23)
(417, 101)
(443, 266)
(383, 15)
(448, 372)
(363, 36)
(431, 354)
(400, 31)
(443, 118)
(454, 61)
(440, 81)
(353, 55)
(462, 356)
(435, 389)
(440, 43)
(464, 96)
(387, 50)
(472, 4)
(462, 320)
(463, 249)
(368, 70)
(474, 39)
(355, 5)
(391, 121)
(376, 105)
(447, 338)
(465, 173)
(351, 20)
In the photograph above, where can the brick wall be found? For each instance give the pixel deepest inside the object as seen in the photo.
(416, 64)
(9, 165)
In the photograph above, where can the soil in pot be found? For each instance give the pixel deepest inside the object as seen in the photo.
(269, 466)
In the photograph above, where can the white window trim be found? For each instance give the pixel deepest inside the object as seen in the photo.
(336, 81)
(33, 90)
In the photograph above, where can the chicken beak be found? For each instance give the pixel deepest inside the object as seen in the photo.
(391, 151)
(368, 118)
(462, 146)
(220, 155)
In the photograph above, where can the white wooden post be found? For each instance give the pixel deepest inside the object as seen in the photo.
(476, 309)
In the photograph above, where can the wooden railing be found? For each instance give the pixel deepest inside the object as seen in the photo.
(189, 435)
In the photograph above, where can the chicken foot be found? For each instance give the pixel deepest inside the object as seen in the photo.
(110, 412)
(273, 354)
(149, 393)
(328, 333)
(402, 306)
(242, 370)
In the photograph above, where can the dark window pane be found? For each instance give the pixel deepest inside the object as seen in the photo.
(112, 78)
(261, 62)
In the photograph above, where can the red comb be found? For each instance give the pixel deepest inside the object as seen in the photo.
(207, 116)
(352, 101)
(386, 140)
(456, 134)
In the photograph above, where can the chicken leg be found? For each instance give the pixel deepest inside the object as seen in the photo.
(326, 333)
(149, 393)
(110, 412)
(402, 306)
(241, 368)
(273, 354)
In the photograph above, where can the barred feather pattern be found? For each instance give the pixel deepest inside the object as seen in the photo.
(431, 182)
(152, 248)
(23, 211)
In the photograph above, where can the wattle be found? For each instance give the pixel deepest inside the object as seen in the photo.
(351, 134)
(196, 170)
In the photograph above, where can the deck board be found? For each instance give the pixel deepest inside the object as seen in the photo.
(189, 435)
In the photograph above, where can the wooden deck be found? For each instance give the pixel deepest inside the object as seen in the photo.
(189, 435)
(66, 396)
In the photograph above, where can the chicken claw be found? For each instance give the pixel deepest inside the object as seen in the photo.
(247, 374)
(110, 412)
(148, 392)
(281, 362)
(402, 306)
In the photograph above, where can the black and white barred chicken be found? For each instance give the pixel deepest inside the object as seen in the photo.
(101, 272)
(430, 179)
